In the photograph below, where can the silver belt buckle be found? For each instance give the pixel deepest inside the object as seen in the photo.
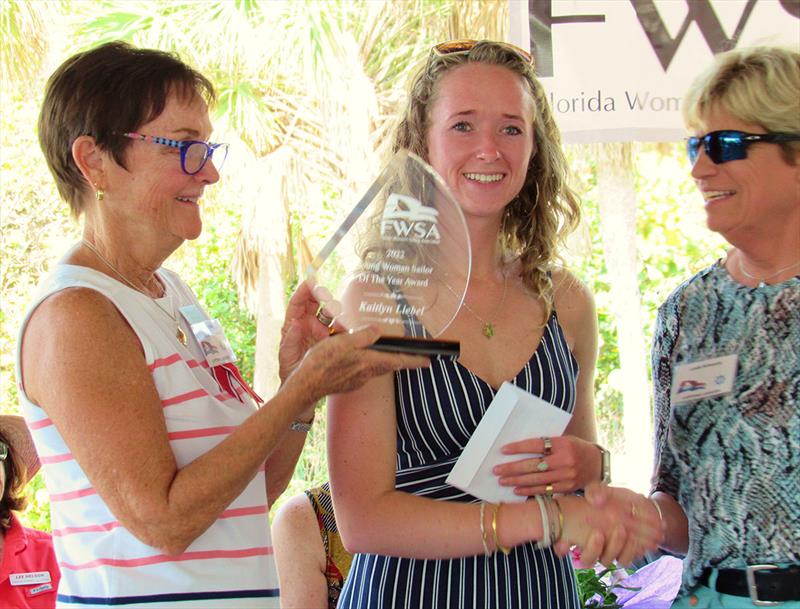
(750, 574)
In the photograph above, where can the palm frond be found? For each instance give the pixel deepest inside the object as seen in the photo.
(479, 19)
(24, 41)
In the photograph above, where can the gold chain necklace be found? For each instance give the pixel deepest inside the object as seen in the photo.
(487, 327)
(179, 333)
(763, 281)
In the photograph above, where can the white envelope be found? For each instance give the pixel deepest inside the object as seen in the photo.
(513, 415)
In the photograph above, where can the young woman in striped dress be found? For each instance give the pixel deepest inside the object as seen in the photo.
(478, 115)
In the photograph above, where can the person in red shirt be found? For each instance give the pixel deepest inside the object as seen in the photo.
(29, 572)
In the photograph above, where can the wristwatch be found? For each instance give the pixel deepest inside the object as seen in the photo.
(605, 465)
(302, 427)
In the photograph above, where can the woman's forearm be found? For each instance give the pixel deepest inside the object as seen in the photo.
(676, 525)
(401, 524)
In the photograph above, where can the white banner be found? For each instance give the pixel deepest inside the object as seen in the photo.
(617, 70)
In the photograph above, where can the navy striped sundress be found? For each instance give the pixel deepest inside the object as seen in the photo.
(438, 409)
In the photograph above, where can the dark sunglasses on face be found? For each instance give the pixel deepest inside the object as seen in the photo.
(724, 146)
(466, 45)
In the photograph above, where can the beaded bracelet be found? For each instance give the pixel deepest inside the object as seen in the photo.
(495, 511)
(486, 549)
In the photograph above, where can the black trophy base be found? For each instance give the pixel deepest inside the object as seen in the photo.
(417, 346)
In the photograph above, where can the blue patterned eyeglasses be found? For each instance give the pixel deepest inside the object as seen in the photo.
(194, 153)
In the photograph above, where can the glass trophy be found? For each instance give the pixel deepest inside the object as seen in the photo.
(401, 259)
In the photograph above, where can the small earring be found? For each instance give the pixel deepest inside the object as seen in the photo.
(99, 194)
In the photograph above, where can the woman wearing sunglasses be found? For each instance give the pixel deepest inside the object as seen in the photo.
(726, 353)
(728, 455)
(480, 117)
(159, 464)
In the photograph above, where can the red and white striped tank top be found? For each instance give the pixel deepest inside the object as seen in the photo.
(102, 564)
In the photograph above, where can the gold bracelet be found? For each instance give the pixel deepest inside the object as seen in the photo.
(486, 549)
(495, 511)
(560, 519)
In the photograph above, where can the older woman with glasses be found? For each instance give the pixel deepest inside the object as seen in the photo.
(726, 354)
(160, 466)
(727, 452)
(480, 117)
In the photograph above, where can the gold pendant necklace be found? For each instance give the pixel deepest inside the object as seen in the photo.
(487, 327)
(179, 333)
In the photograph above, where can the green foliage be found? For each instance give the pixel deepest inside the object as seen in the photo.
(36, 229)
(205, 265)
(673, 243)
(115, 26)
(37, 514)
(312, 467)
(24, 43)
(593, 583)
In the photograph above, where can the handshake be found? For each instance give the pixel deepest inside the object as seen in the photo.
(609, 524)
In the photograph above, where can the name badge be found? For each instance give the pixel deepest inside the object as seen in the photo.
(210, 336)
(705, 379)
(214, 343)
(29, 579)
(40, 589)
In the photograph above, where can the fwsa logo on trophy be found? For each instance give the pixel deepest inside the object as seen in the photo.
(407, 219)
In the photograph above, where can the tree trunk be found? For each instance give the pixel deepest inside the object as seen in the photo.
(269, 318)
(263, 263)
(617, 203)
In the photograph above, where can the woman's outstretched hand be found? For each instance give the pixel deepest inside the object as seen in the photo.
(343, 362)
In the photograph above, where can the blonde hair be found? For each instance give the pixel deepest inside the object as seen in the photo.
(546, 210)
(758, 85)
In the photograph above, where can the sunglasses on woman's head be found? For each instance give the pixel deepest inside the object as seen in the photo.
(452, 47)
(724, 146)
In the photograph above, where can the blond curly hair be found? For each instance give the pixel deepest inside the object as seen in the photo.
(546, 210)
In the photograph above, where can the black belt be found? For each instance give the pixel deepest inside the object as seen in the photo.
(764, 584)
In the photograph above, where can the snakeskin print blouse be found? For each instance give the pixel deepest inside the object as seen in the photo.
(732, 461)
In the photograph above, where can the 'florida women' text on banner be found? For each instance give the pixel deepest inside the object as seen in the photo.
(616, 70)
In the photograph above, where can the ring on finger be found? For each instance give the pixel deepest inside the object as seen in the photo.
(322, 316)
(548, 446)
(542, 466)
(548, 490)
